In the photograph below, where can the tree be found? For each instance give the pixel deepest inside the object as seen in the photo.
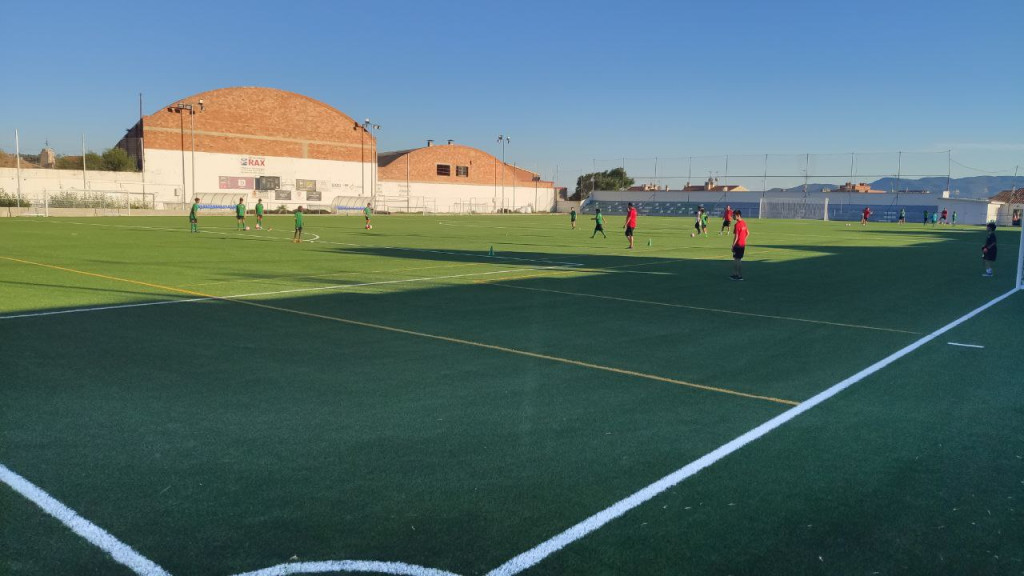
(614, 179)
(118, 160)
(112, 159)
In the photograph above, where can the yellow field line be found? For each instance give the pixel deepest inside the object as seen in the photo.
(700, 308)
(423, 335)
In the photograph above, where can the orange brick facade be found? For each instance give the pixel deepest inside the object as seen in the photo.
(260, 122)
(481, 168)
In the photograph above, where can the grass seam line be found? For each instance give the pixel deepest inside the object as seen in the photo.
(574, 533)
(699, 308)
(119, 551)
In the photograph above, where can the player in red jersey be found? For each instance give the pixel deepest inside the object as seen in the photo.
(726, 219)
(739, 245)
(865, 215)
(630, 224)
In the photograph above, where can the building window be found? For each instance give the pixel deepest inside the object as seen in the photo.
(444, 169)
(462, 171)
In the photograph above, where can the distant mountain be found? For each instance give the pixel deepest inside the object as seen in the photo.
(972, 187)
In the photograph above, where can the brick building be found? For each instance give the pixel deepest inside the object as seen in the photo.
(252, 142)
(455, 178)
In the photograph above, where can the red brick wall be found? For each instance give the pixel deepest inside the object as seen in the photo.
(261, 122)
(420, 165)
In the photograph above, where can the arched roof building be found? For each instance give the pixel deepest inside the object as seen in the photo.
(455, 178)
(291, 148)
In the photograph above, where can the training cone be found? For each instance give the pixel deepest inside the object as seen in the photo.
(650, 241)
(491, 251)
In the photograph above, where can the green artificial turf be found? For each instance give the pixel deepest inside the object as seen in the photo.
(402, 395)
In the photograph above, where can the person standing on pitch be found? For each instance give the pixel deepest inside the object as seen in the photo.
(599, 226)
(739, 245)
(953, 222)
(572, 218)
(989, 250)
(240, 213)
(903, 216)
(298, 225)
(193, 217)
(367, 212)
(726, 219)
(925, 217)
(865, 215)
(259, 214)
(630, 224)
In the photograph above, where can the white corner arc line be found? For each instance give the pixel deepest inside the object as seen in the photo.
(534, 555)
(96, 536)
(370, 566)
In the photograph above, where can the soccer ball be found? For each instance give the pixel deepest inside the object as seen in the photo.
(691, 235)
(246, 228)
(369, 226)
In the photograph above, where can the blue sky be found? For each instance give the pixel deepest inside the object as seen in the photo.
(577, 85)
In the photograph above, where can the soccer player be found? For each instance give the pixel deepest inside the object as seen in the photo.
(298, 225)
(259, 214)
(704, 223)
(925, 217)
(193, 217)
(726, 219)
(630, 224)
(943, 219)
(240, 213)
(696, 221)
(953, 223)
(366, 214)
(989, 250)
(599, 226)
(572, 218)
(935, 218)
(739, 245)
(903, 216)
(865, 215)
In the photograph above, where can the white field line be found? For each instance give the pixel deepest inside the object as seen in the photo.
(274, 293)
(95, 535)
(101, 308)
(348, 566)
(964, 345)
(534, 555)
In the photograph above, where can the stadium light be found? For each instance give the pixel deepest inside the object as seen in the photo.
(181, 108)
(504, 140)
(367, 126)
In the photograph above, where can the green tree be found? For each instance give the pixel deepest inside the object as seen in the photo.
(112, 159)
(118, 160)
(614, 179)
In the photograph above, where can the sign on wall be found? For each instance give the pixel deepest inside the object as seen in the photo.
(268, 182)
(313, 196)
(305, 185)
(282, 194)
(237, 182)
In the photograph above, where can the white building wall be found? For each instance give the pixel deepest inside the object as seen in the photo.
(463, 198)
(38, 182)
(165, 178)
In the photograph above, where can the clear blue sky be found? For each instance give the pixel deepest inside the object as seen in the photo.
(575, 84)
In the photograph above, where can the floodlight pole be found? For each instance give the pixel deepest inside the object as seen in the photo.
(180, 108)
(503, 139)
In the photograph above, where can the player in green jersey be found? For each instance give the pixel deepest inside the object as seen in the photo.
(240, 213)
(572, 218)
(259, 214)
(366, 214)
(599, 226)
(298, 225)
(193, 217)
